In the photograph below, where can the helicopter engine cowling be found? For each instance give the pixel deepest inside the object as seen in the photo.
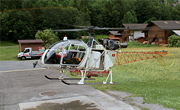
(112, 44)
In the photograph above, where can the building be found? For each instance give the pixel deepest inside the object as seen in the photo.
(34, 44)
(114, 35)
(134, 32)
(159, 31)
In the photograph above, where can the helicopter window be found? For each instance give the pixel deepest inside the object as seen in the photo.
(53, 56)
(50, 57)
(60, 52)
(73, 57)
(75, 53)
(66, 53)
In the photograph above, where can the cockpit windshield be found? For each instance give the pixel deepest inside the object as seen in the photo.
(69, 52)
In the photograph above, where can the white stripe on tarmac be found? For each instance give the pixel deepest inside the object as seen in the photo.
(21, 70)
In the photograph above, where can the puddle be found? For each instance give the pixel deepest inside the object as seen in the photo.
(68, 103)
(74, 105)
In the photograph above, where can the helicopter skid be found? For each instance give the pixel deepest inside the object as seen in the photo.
(67, 78)
(85, 83)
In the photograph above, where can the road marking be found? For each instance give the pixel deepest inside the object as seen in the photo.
(21, 70)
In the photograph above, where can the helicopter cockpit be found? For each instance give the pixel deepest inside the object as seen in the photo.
(69, 52)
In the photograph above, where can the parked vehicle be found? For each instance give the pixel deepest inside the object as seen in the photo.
(28, 53)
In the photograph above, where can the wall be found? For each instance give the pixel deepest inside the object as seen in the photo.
(161, 35)
(34, 46)
(138, 34)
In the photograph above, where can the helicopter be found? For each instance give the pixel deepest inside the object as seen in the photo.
(68, 55)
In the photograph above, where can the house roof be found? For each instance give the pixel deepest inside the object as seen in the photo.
(114, 33)
(177, 32)
(30, 41)
(135, 26)
(166, 25)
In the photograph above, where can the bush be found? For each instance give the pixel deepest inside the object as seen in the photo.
(47, 36)
(174, 41)
(178, 43)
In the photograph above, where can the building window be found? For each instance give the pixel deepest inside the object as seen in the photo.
(159, 32)
(151, 32)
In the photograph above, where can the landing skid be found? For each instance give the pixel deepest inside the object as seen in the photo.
(81, 80)
(85, 83)
(67, 78)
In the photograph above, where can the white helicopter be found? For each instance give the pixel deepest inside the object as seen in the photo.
(71, 55)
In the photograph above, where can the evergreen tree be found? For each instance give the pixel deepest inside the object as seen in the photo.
(129, 18)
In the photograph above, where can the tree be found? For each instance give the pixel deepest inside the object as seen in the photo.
(21, 19)
(117, 14)
(145, 9)
(149, 20)
(47, 36)
(130, 18)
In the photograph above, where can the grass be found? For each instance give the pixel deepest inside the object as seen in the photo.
(138, 44)
(149, 79)
(8, 50)
(101, 37)
(7, 43)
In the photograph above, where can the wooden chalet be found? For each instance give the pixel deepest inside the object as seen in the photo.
(133, 31)
(159, 31)
(114, 35)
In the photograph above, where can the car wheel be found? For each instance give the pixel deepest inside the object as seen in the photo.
(23, 58)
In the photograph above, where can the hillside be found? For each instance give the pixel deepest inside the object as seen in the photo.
(21, 19)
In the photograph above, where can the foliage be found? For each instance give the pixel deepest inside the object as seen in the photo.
(178, 43)
(21, 19)
(130, 17)
(47, 36)
(174, 41)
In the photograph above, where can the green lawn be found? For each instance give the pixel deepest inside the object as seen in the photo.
(7, 43)
(8, 50)
(101, 37)
(149, 79)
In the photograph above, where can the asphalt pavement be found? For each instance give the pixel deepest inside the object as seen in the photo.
(23, 87)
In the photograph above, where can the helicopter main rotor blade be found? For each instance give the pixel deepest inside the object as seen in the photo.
(88, 28)
(64, 30)
(107, 28)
